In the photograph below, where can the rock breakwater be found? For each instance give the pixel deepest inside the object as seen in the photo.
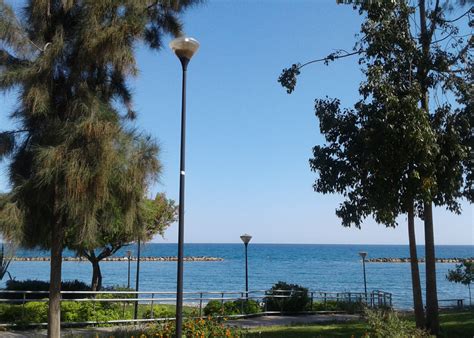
(420, 260)
(124, 259)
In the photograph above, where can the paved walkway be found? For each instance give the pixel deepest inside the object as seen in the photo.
(243, 323)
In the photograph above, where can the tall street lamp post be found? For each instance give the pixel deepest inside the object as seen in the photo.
(363, 255)
(129, 257)
(184, 48)
(246, 239)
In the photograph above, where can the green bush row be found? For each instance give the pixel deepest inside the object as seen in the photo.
(217, 308)
(38, 285)
(37, 312)
(349, 307)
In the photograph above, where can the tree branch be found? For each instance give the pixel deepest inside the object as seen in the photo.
(333, 56)
(10, 132)
(459, 17)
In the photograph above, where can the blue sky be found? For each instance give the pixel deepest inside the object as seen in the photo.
(248, 142)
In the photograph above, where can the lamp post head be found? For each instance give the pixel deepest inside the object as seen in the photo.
(363, 254)
(184, 47)
(246, 238)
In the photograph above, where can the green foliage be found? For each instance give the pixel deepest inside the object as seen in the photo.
(389, 324)
(237, 307)
(463, 273)
(37, 312)
(159, 311)
(74, 163)
(288, 77)
(214, 308)
(200, 327)
(288, 298)
(349, 307)
(37, 285)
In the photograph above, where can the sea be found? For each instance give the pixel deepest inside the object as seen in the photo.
(319, 267)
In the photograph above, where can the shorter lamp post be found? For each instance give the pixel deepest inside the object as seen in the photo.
(363, 255)
(246, 239)
(137, 281)
(129, 257)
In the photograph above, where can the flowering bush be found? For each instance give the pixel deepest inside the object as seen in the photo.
(199, 327)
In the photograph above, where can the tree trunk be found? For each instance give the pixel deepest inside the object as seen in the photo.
(432, 317)
(54, 311)
(415, 272)
(96, 284)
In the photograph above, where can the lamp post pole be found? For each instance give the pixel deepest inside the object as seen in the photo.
(363, 255)
(137, 280)
(184, 48)
(246, 239)
(129, 257)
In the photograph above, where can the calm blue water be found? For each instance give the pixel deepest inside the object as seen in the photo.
(318, 267)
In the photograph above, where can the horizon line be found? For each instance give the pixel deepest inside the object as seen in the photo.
(293, 243)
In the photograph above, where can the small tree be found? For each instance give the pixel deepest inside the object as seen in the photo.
(463, 273)
(154, 217)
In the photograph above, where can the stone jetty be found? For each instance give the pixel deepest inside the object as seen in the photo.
(420, 260)
(124, 259)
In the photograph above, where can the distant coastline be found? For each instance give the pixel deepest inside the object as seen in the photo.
(420, 260)
(123, 259)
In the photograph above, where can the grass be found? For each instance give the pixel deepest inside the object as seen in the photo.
(348, 329)
(453, 324)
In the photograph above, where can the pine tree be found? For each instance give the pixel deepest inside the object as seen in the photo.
(69, 61)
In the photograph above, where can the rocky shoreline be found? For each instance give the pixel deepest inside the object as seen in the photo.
(420, 260)
(123, 259)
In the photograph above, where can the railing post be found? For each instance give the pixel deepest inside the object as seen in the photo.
(93, 310)
(200, 304)
(325, 298)
(23, 307)
(266, 302)
(312, 299)
(222, 303)
(242, 302)
(152, 312)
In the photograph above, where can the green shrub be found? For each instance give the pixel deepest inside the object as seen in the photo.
(349, 307)
(32, 312)
(383, 323)
(216, 308)
(38, 285)
(10, 313)
(37, 312)
(209, 327)
(158, 312)
(248, 306)
(297, 299)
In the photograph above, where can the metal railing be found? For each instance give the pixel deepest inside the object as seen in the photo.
(196, 300)
(451, 303)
